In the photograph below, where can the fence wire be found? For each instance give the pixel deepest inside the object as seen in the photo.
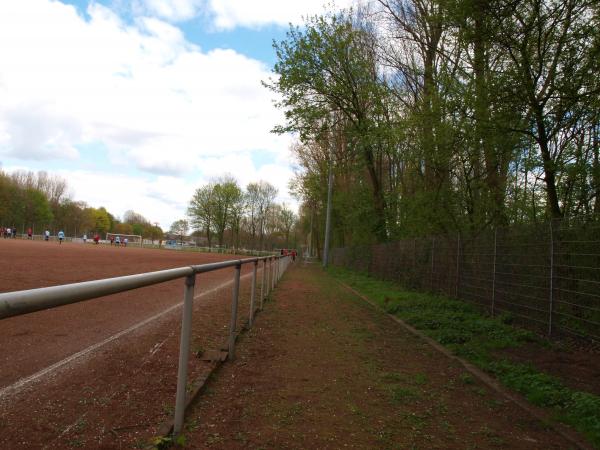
(546, 276)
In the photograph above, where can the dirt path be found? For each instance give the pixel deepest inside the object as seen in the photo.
(321, 369)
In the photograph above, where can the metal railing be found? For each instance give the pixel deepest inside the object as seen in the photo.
(543, 276)
(28, 301)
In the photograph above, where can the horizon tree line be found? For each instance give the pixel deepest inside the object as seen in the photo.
(225, 214)
(43, 202)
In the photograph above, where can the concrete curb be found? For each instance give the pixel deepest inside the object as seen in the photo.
(491, 382)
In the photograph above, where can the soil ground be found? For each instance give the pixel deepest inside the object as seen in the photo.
(322, 369)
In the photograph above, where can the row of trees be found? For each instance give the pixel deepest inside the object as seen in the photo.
(42, 201)
(444, 115)
(221, 211)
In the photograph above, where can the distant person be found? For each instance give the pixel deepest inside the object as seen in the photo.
(29, 233)
(84, 238)
(61, 236)
(47, 235)
(96, 238)
(112, 240)
(118, 241)
(293, 255)
(125, 241)
(7, 233)
(14, 230)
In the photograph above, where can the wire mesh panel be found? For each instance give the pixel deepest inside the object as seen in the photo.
(523, 274)
(476, 270)
(577, 278)
(544, 276)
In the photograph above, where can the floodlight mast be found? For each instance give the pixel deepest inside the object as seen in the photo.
(330, 146)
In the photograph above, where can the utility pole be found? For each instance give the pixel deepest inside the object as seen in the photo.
(329, 191)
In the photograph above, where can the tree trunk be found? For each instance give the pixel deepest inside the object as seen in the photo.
(378, 200)
(549, 168)
(596, 166)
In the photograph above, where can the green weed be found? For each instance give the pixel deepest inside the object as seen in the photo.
(464, 330)
(401, 394)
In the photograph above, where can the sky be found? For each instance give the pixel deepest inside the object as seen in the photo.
(138, 103)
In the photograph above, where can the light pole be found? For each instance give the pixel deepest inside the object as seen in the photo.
(328, 216)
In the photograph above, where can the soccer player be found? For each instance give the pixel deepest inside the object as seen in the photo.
(96, 239)
(29, 233)
(118, 241)
(47, 235)
(61, 236)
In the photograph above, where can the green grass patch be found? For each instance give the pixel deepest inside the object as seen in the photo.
(463, 329)
(403, 395)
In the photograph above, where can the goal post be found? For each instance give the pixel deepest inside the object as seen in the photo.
(132, 239)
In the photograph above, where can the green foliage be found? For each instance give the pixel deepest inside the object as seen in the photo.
(461, 328)
(226, 198)
(242, 218)
(180, 228)
(443, 116)
(101, 220)
(165, 442)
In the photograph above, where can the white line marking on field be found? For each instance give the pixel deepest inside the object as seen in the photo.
(18, 385)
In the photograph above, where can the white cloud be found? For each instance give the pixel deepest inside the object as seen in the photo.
(141, 89)
(173, 10)
(229, 14)
(157, 102)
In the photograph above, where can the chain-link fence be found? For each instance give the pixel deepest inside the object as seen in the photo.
(544, 276)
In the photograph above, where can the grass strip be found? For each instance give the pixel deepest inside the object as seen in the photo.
(461, 328)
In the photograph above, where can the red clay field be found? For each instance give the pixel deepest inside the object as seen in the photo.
(66, 380)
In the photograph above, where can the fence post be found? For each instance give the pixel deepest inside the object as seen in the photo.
(268, 267)
(262, 286)
(253, 294)
(494, 270)
(432, 260)
(414, 262)
(551, 296)
(184, 350)
(457, 264)
(234, 306)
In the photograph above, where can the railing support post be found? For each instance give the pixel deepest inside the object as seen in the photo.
(273, 260)
(253, 294)
(234, 307)
(184, 350)
(262, 286)
(278, 269)
(268, 277)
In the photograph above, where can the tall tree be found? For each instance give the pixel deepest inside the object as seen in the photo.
(180, 228)
(550, 45)
(327, 74)
(226, 196)
(201, 210)
(286, 221)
